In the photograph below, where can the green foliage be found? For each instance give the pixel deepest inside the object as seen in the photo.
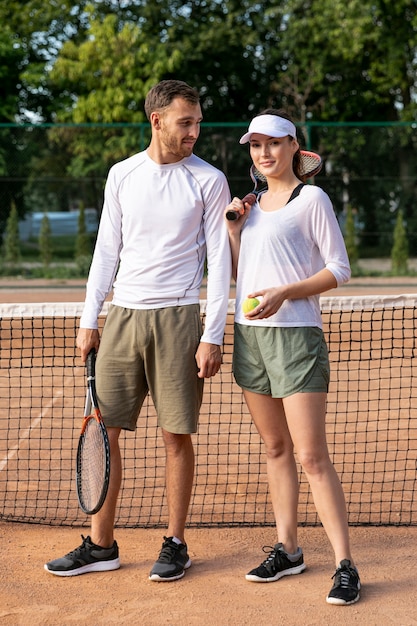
(399, 252)
(94, 61)
(114, 69)
(11, 56)
(45, 243)
(11, 238)
(351, 239)
(340, 60)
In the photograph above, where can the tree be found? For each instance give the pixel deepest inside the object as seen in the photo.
(11, 57)
(332, 59)
(45, 243)
(329, 61)
(342, 60)
(351, 239)
(11, 240)
(42, 29)
(355, 62)
(114, 69)
(399, 252)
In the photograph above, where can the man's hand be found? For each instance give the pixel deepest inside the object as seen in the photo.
(209, 359)
(87, 339)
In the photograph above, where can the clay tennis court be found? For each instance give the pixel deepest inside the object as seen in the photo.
(214, 590)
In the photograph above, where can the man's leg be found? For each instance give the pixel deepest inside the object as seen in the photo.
(179, 481)
(102, 523)
(173, 559)
(98, 552)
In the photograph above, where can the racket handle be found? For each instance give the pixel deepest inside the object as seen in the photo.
(250, 198)
(91, 363)
(232, 215)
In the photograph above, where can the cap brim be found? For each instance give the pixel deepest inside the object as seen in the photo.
(245, 138)
(270, 126)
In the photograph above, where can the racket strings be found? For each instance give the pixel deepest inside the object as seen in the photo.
(93, 465)
(309, 163)
(258, 177)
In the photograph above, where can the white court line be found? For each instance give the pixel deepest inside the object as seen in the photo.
(26, 433)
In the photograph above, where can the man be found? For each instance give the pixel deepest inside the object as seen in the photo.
(162, 216)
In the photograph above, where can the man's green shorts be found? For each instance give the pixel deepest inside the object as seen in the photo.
(280, 361)
(150, 350)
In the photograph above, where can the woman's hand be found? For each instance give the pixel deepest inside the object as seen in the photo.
(242, 209)
(271, 300)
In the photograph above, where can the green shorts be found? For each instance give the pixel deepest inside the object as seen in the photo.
(280, 361)
(150, 350)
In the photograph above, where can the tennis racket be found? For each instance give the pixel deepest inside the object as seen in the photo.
(93, 454)
(260, 185)
(311, 164)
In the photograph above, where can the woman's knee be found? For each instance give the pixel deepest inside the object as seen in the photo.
(278, 449)
(314, 463)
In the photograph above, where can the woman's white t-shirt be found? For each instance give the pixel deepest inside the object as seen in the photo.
(286, 246)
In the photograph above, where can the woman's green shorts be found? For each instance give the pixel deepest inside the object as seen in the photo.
(280, 361)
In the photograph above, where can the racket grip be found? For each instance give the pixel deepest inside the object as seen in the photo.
(250, 198)
(232, 215)
(91, 363)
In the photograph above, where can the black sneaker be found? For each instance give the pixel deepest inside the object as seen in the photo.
(86, 558)
(346, 584)
(276, 565)
(172, 562)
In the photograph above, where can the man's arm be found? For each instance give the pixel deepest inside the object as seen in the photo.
(209, 359)
(87, 339)
(218, 265)
(103, 268)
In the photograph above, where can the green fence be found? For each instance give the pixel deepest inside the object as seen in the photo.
(370, 166)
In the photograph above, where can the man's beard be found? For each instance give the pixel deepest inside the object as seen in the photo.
(175, 147)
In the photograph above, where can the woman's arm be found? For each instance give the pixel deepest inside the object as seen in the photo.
(234, 227)
(274, 297)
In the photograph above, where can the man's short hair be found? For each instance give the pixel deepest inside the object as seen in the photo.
(162, 94)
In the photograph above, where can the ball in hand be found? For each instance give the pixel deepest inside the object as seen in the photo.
(249, 304)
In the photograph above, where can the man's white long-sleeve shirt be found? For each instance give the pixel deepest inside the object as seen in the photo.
(159, 222)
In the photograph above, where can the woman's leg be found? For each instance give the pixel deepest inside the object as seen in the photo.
(269, 418)
(306, 414)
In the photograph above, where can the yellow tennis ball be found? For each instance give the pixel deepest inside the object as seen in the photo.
(249, 304)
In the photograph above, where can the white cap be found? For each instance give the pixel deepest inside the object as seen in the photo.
(271, 126)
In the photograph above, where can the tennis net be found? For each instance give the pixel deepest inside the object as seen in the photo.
(371, 424)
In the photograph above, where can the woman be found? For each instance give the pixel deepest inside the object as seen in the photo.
(287, 248)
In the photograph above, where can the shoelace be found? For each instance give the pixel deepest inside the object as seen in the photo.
(272, 556)
(270, 551)
(343, 577)
(168, 551)
(77, 551)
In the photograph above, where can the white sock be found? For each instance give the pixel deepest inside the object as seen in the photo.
(176, 540)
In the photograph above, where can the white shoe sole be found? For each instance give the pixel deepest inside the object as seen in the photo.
(100, 566)
(158, 579)
(287, 572)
